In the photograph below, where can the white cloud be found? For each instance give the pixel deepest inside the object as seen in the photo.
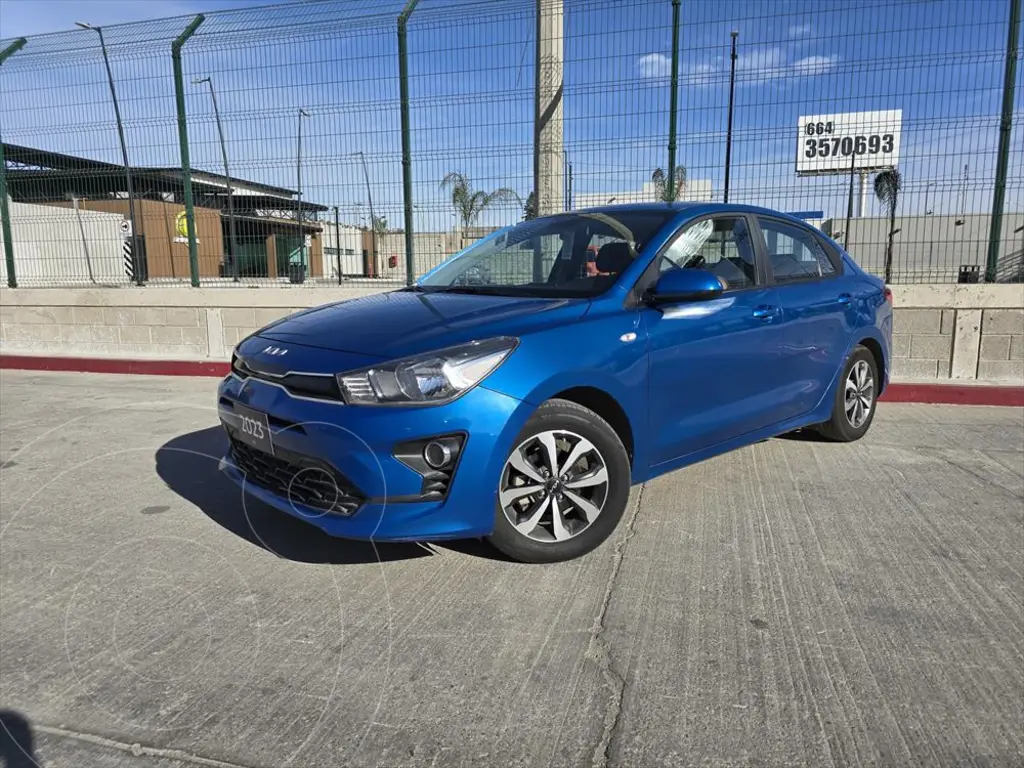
(760, 65)
(800, 30)
(701, 74)
(815, 65)
(655, 65)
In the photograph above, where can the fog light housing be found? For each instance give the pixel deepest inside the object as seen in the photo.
(435, 459)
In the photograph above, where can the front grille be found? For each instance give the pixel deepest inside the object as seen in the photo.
(300, 479)
(301, 384)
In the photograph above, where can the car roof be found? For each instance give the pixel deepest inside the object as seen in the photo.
(687, 206)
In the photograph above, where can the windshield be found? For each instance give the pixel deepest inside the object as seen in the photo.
(567, 255)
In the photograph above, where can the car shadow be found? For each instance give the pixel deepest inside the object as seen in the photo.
(804, 435)
(17, 748)
(188, 465)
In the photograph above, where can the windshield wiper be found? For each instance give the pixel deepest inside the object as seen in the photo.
(491, 290)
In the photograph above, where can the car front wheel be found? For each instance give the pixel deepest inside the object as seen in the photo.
(564, 486)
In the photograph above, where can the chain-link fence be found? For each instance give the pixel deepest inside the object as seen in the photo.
(276, 155)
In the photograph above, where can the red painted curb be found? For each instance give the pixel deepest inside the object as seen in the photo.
(115, 365)
(953, 394)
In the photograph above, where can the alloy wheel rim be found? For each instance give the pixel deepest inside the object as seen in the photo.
(553, 486)
(860, 394)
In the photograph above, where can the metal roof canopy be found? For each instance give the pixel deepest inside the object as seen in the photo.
(47, 166)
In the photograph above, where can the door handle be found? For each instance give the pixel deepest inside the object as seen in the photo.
(766, 312)
(844, 298)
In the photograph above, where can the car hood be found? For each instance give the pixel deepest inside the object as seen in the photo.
(400, 323)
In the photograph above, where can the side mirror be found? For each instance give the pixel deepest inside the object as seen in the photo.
(679, 285)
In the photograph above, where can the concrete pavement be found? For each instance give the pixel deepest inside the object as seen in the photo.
(791, 603)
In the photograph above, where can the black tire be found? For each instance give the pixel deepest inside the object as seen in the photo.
(566, 415)
(839, 428)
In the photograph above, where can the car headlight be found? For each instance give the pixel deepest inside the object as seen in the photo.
(435, 377)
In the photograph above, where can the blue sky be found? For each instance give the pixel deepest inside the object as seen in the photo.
(472, 78)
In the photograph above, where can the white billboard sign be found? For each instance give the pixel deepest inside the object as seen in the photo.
(862, 141)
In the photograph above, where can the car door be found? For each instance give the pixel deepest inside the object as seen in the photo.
(711, 364)
(808, 287)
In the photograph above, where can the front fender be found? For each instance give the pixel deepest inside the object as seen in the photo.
(605, 353)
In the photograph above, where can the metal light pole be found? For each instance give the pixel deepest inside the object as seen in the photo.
(927, 210)
(124, 153)
(568, 183)
(673, 104)
(337, 241)
(5, 213)
(373, 218)
(728, 132)
(849, 202)
(232, 240)
(298, 179)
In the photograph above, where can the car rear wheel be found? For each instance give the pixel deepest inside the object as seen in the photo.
(856, 397)
(564, 486)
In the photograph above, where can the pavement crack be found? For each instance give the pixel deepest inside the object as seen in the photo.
(599, 651)
(136, 749)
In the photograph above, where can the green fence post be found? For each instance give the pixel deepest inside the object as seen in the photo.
(1003, 155)
(403, 89)
(5, 212)
(673, 104)
(186, 165)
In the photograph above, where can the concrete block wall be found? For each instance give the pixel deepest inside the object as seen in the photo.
(160, 323)
(177, 332)
(1001, 349)
(941, 332)
(922, 342)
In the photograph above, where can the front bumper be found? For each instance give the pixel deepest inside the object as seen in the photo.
(357, 441)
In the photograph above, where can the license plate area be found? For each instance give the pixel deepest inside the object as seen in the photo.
(253, 429)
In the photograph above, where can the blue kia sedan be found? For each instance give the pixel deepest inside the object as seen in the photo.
(519, 389)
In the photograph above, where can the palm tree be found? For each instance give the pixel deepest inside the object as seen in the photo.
(470, 203)
(660, 179)
(887, 188)
(380, 224)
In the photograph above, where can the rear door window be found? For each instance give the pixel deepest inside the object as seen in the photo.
(794, 254)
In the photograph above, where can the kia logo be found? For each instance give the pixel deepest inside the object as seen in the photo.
(276, 351)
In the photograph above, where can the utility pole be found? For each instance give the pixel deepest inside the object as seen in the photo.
(232, 240)
(1003, 153)
(124, 153)
(548, 113)
(732, 99)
